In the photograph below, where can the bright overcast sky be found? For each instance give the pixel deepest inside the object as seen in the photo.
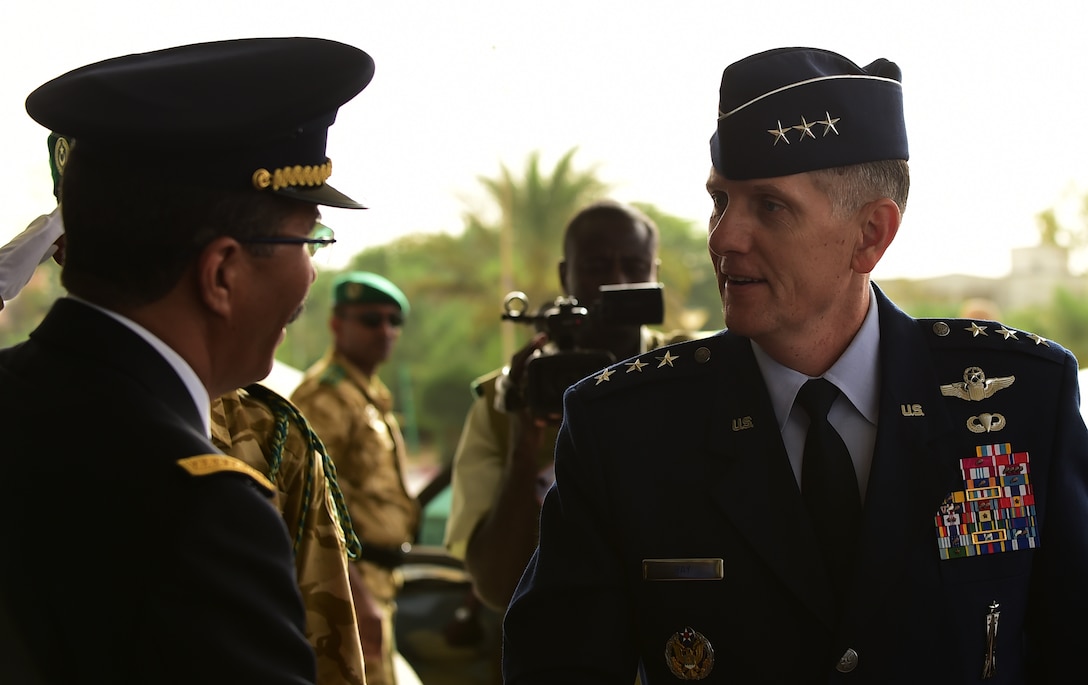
(995, 101)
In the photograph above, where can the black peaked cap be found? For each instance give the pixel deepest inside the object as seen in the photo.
(249, 113)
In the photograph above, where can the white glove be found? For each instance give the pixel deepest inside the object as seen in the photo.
(26, 251)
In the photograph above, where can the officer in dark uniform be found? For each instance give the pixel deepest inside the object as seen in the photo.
(135, 551)
(829, 491)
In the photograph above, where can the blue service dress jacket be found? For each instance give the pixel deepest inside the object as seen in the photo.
(118, 565)
(675, 537)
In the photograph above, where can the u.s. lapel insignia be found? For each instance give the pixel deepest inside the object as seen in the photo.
(689, 655)
(976, 386)
(995, 511)
(911, 410)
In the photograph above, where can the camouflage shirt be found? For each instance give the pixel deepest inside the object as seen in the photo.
(263, 430)
(353, 414)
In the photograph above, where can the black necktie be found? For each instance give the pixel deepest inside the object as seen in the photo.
(829, 485)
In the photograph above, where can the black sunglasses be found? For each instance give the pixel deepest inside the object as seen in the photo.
(376, 319)
(322, 236)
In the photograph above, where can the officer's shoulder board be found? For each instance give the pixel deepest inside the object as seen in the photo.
(684, 359)
(213, 464)
(988, 335)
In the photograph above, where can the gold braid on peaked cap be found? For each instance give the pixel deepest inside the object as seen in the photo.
(224, 114)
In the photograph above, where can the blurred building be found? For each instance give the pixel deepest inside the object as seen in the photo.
(1036, 273)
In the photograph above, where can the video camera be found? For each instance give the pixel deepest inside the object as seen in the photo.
(566, 361)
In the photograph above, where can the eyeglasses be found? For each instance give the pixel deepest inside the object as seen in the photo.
(321, 237)
(376, 319)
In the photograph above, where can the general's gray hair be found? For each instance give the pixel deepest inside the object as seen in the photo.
(850, 187)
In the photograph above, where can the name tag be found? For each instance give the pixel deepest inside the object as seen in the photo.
(683, 569)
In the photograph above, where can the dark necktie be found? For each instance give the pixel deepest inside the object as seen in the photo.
(829, 485)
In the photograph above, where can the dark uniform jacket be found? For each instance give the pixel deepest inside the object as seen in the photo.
(978, 496)
(119, 565)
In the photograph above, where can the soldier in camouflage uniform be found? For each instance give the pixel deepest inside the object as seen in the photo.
(502, 466)
(266, 432)
(352, 411)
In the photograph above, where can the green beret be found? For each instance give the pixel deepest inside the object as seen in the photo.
(360, 287)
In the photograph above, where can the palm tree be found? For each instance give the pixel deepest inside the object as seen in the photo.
(534, 211)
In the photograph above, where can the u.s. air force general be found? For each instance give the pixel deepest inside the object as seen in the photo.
(829, 490)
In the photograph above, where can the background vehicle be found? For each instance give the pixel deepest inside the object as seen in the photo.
(442, 630)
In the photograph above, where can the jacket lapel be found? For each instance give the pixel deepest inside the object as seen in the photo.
(753, 483)
(913, 466)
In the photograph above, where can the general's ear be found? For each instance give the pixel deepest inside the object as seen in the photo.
(219, 273)
(879, 222)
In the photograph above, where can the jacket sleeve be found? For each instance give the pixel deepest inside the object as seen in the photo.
(571, 619)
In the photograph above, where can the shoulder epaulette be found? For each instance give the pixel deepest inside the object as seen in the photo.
(972, 333)
(333, 374)
(209, 464)
(479, 384)
(680, 360)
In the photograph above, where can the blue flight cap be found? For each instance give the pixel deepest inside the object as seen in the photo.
(790, 110)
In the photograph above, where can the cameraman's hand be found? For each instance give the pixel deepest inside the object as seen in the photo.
(521, 358)
(526, 430)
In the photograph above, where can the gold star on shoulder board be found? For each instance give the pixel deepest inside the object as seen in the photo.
(667, 359)
(806, 129)
(604, 376)
(1007, 333)
(829, 123)
(1039, 340)
(975, 330)
(779, 134)
(636, 366)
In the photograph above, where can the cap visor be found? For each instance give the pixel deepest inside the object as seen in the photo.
(324, 195)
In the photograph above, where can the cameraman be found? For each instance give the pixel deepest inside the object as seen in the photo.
(502, 466)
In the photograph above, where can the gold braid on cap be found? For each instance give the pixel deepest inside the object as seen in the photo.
(292, 176)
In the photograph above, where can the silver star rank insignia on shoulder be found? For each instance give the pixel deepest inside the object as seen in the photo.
(976, 386)
(636, 366)
(667, 359)
(603, 376)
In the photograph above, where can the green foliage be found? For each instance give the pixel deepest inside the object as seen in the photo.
(692, 300)
(456, 284)
(22, 314)
(1064, 320)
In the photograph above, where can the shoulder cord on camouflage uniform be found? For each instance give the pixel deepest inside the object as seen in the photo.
(283, 411)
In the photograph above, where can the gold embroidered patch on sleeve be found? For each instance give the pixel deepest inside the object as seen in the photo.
(207, 464)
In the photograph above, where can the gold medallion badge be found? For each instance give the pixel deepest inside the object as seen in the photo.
(689, 655)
